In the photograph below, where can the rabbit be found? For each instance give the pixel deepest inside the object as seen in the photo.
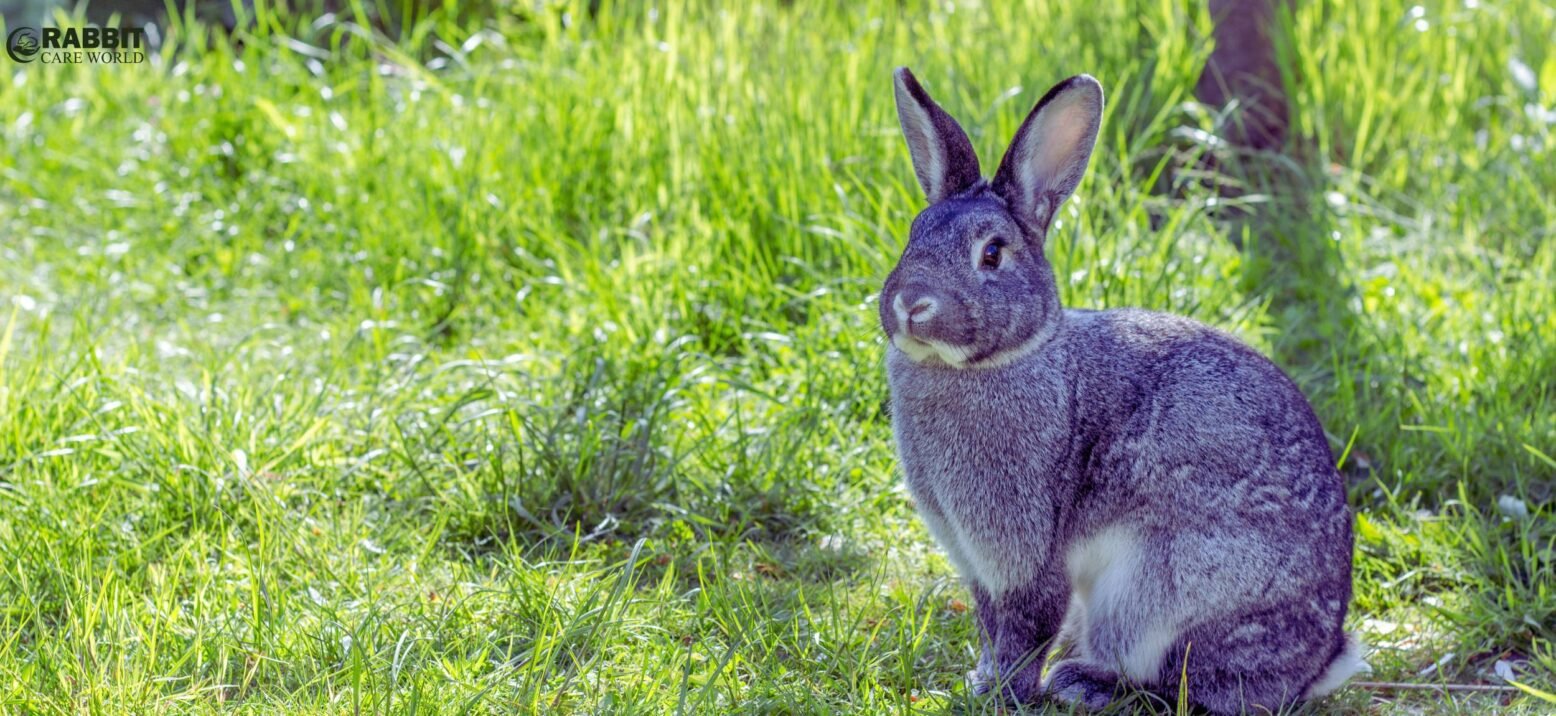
(1152, 489)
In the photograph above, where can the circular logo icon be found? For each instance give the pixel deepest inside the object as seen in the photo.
(22, 44)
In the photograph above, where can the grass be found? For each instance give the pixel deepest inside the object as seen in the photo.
(532, 365)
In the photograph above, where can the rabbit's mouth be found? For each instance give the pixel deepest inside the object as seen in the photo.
(936, 352)
(922, 350)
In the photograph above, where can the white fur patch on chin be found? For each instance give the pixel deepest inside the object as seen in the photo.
(920, 350)
(928, 349)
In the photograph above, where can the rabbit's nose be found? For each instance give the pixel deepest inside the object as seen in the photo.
(914, 307)
(923, 309)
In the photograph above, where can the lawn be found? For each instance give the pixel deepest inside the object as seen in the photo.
(528, 361)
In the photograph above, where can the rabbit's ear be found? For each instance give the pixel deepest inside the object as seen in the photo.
(943, 159)
(1048, 157)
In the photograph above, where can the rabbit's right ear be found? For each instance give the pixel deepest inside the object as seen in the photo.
(1048, 157)
(943, 158)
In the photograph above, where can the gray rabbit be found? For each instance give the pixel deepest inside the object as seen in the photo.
(1150, 488)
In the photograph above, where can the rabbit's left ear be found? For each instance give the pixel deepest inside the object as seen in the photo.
(943, 158)
(1048, 157)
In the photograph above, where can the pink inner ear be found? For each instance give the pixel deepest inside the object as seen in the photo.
(1055, 144)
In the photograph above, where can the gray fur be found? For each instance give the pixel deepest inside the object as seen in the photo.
(1148, 484)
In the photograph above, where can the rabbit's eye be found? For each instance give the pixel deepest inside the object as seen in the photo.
(992, 252)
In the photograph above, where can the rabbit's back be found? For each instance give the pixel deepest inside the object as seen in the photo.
(1192, 419)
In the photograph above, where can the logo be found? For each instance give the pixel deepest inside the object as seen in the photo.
(77, 46)
(22, 45)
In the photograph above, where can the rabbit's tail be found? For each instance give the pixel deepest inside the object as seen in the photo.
(1347, 663)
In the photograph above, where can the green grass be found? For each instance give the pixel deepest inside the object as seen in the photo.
(536, 369)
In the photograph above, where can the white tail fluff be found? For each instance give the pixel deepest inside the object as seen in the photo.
(1349, 663)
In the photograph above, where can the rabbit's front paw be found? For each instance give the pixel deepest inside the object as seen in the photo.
(1073, 681)
(1019, 687)
(978, 682)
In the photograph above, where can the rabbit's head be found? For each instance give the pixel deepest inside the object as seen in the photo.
(973, 288)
